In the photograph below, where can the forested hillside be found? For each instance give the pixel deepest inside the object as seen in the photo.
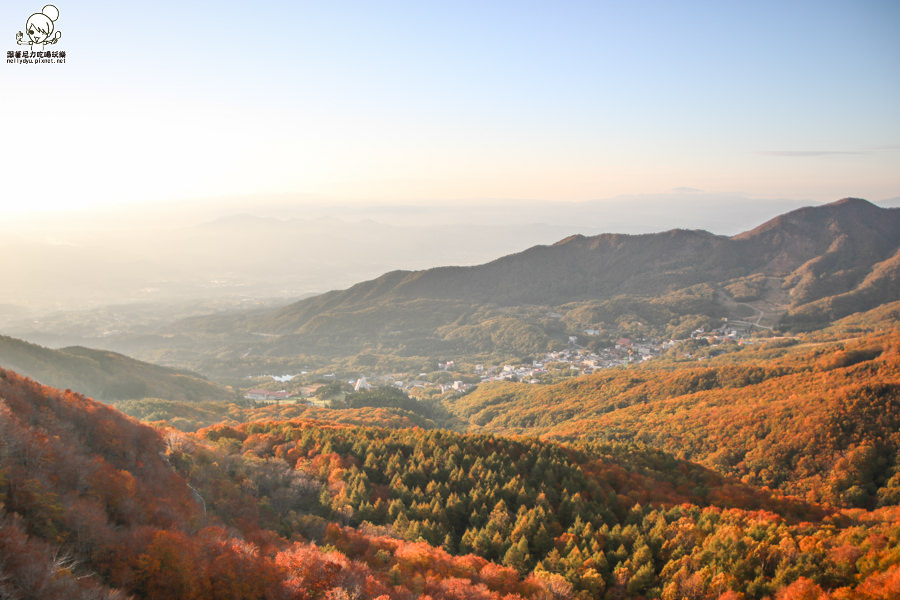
(97, 505)
(817, 418)
(106, 376)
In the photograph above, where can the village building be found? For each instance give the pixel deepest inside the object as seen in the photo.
(266, 395)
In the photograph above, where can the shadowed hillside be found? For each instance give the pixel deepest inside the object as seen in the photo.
(105, 376)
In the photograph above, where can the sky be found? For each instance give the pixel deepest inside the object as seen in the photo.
(435, 102)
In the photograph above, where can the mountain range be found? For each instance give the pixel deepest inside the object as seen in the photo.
(818, 252)
(799, 271)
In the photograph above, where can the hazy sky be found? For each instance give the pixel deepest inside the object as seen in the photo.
(429, 101)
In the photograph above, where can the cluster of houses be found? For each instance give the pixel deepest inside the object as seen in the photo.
(733, 330)
(579, 359)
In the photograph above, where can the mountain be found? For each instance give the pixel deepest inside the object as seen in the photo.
(798, 271)
(808, 267)
(841, 242)
(105, 376)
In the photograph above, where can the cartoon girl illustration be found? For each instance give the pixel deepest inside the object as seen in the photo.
(40, 29)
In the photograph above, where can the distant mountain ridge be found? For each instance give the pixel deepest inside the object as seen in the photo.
(105, 376)
(819, 252)
(798, 271)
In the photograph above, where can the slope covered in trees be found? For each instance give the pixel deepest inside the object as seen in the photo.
(97, 505)
(817, 418)
(106, 376)
(92, 506)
